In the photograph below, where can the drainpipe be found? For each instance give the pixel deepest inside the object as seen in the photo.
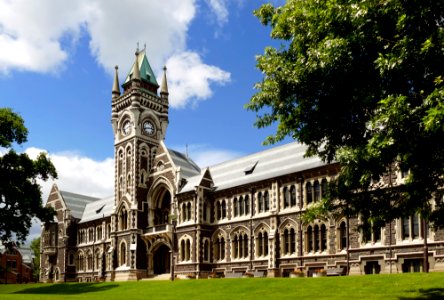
(252, 191)
(426, 247)
(301, 200)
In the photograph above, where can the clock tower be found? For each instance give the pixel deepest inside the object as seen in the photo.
(139, 121)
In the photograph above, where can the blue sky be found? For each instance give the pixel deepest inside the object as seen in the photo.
(56, 65)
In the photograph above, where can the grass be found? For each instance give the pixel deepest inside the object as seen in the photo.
(396, 286)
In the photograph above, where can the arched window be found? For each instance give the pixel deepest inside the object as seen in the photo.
(259, 244)
(188, 211)
(241, 206)
(122, 254)
(219, 250)
(316, 238)
(292, 241)
(206, 250)
(317, 191)
(309, 192)
(309, 239)
(108, 233)
(98, 258)
(292, 196)
(224, 209)
(218, 211)
(260, 200)
(235, 247)
(266, 201)
(182, 250)
(184, 212)
(188, 250)
(89, 261)
(286, 241)
(286, 197)
(324, 187)
(247, 205)
(123, 219)
(245, 246)
(323, 237)
(342, 236)
(265, 243)
(235, 206)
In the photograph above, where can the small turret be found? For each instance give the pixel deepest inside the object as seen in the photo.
(116, 87)
(136, 73)
(164, 88)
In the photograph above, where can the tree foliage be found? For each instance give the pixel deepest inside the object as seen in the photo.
(361, 83)
(20, 194)
(35, 247)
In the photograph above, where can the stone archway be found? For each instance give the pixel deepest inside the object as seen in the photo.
(161, 260)
(162, 210)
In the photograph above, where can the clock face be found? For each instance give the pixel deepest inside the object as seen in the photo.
(148, 127)
(126, 128)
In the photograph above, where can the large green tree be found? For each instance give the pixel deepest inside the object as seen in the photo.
(20, 194)
(361, 83)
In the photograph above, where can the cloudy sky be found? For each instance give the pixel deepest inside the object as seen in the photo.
(57, 58)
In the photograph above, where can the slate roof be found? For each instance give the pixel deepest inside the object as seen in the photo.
(259, 166)
(76, 203)
(187, 166)
(27, 255)
(98, 209)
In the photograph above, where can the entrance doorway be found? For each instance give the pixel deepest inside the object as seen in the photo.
(162, 260)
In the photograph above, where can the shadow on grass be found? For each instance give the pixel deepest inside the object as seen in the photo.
(427, 294)
(68, 289)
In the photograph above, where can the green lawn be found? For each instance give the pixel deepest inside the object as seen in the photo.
(399, 286)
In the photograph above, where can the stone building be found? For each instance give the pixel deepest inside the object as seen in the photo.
(239, 216)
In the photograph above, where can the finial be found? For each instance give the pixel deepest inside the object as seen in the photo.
(144, 48)
(116, 88)
(164, 88)
(137, 49)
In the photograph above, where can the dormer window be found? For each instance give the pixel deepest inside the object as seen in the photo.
(250, 168)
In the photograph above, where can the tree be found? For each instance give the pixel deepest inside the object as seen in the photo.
(20, 195)
(35, 247)
(361, 83)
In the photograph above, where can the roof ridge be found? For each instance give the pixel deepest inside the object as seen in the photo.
(244, 157)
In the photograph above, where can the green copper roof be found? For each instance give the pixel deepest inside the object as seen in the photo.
(146, 73)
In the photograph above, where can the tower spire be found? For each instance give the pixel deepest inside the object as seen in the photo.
(116, 88)
(136, 72)
(164, 87)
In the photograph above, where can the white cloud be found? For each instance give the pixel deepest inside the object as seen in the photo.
(37, 36)
(76, 174)
(219, 8)
(189, 79)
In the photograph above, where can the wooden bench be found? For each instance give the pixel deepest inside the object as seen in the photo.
(335, 271)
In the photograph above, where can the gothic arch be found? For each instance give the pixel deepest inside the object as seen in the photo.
(123, 253)
(288, 223)
(125, 116)
(238, 229)
(260, 227)
(149, 115)
(219, 232)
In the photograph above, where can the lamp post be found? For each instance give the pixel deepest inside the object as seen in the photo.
(173, 243)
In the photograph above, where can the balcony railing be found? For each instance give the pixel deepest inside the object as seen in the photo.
(49, 250)
(163, 228)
